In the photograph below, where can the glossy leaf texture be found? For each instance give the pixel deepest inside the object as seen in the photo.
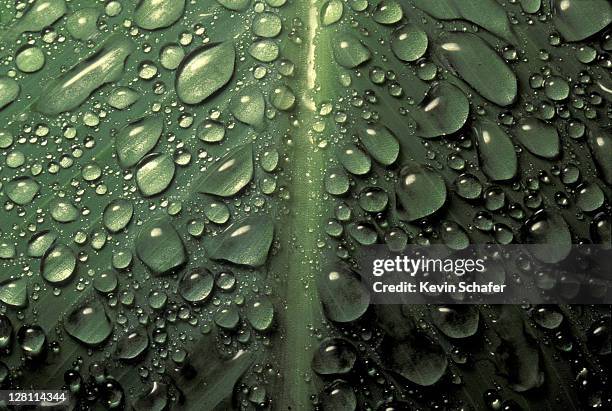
(186, 187)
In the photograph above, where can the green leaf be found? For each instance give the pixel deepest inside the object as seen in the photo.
(188, 188)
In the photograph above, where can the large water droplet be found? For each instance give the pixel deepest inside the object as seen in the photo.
(196, 285)
(444, 110)
(155, 174)
(576, 22)
(380, 143)
(343, 295)
(40, 243)
(334, 356)
(83, 23)
(457, 321)
(22, 190)
(418, 359)
(58, 264)
(89, 324)
(237, 5)
(160, 247)
(14, 293)
(249, 106)
(388, 12)
(494, 80)
(132, 345)
(204, 71)
(136, 139)
(354, 160)
(260, 314)
(230, 174)
(348, 51)
(266, 24)
(496, 152)
(409, 43)
(331, 12)
(30, 60)
(550, 235)
(122, 97)
(245, 242)
(538, 137)
(488, 14)
(117, 215)
(9, 90)
(74, 87)
(156, 14)
(41, 14)
(600, 143)
(421, 191)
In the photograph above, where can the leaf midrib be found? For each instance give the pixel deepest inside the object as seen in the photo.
(297, 263)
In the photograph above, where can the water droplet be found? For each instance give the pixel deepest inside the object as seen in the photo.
(388, 12)
(409, 43)
(331, 12)
(14, 293)
(538, 138)
(495, 81)
(260, 314)
(496, 152)
(41, 14)
(74, 87)
(343, 295)
(576, 22)
(551, 236)
(230, 174)
(155, 174)
(237, 5)
(89, 324)
(348, 51)
(157, 14)
(58, 264)
(204, 71)
(171, 55)
(421, 191)
(30, 59)
(266, 24)
(117, 215)
(245, 242)
(458, 321)
(137, 138)
(9, 90)
(196, 285)
(590, 197)
(444, 110)
(248, 106)
(160, 247)
(122, 97)
(132, 345)
(22, 190)
(418, 359)
(83, 23)
(354, 160)
(380, 143)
